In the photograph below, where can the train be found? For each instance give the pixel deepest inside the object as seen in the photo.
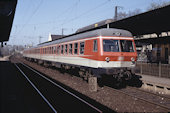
(98, 53)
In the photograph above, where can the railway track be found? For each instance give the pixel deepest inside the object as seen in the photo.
(152, 98)
(51, 92)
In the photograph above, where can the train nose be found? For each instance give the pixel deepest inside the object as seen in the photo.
(121, 58)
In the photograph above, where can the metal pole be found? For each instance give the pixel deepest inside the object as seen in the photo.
(115, 18)
(141, 68)
(159, 68)
(108, 26)
(62, 32)
(40, 39)
(116, 12)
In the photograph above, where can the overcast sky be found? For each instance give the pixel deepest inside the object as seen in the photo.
(35, 18)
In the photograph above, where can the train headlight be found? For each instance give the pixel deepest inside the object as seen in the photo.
(107, 59)
(132, 59)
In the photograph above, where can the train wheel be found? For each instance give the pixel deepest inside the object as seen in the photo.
(118, 84)
(62, 70)
(100, 82)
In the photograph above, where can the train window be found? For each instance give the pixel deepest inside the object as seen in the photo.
(126, 46)
(82, 48)
(62, 49)
(75, 48)
(51, 51)
(95, 46)
(70, 48)
(55, 50)
(66, 49)
(111, 45)
(58, 49)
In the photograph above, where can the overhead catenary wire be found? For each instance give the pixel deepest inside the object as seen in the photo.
(34, 12)
(21, 27)
(82, 14)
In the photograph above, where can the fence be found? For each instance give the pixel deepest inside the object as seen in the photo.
(154, 69)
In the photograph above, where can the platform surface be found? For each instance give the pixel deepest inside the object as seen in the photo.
(156, 80)
(16, 94)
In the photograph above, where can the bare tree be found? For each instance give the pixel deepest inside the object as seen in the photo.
(156, 5)
(135, 12)
(122, 15)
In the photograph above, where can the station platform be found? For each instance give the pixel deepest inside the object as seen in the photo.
(16, 94)
(6, 58)
(157, 84)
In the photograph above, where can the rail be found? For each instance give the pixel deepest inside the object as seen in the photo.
(62, 88)
(148, 97)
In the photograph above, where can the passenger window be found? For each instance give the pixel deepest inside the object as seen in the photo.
(70, 48)
(62, 49)
(76, 48)
(95, 46)
(48, 50)
(54, 50)
(82, 48)
(58, 49)
(65, 49)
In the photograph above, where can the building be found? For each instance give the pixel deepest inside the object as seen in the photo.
(53, 37)
(156, 47)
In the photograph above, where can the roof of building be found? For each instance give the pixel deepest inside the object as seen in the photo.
(154, 21)
(7, 11)
(55, 37)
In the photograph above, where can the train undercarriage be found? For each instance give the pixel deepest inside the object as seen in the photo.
(114, 77)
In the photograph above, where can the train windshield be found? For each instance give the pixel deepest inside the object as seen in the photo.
(126, 46)
(113, 46)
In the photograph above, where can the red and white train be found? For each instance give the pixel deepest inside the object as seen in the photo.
(100, 52)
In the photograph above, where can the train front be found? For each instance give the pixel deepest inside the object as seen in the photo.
(118, 57)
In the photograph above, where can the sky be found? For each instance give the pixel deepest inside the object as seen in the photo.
(37, 18)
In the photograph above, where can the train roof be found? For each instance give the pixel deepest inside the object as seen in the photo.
(94, 33)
